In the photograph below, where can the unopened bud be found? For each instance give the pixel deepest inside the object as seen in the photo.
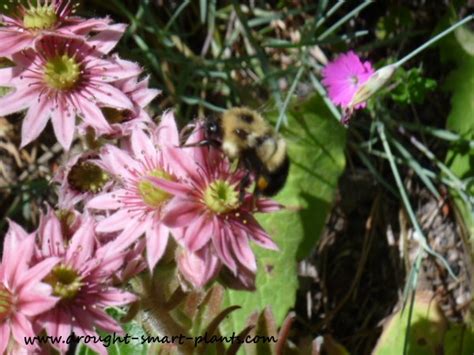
(373, 84)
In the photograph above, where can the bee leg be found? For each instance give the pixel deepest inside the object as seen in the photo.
(185, 133)
(203, 143)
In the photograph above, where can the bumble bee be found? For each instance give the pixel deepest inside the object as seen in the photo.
(244, 135)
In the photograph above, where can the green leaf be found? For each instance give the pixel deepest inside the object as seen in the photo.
(412, 87)
(316, 143)
(459, 339)
(460, 158)
(426, 333)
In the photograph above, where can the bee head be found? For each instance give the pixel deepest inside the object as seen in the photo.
(212, 129)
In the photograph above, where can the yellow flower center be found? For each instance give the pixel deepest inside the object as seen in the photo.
(65, 281)
(40, 17)
(62, 72)
(154, 196)
(6, 303)
(221, 197)
(87, 177)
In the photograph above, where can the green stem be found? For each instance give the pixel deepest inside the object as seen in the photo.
(419, 235)
(432, 40)
(288, 97)
(344, 19)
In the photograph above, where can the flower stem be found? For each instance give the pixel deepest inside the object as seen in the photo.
(419, 235)
(432, 40)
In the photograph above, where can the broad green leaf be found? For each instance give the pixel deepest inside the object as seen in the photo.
(460, 158)
(459, 339)
(426, 333)
(316, 149)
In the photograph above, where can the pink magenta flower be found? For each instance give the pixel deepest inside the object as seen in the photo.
(19, 31)
(344, 76)
(22, 294)
(62, 78)
(81, 280)
(206, 212)
(136, 202)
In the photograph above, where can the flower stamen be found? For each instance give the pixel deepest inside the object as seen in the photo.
(221, 197)
(152, 195)
(65, 281)
(62, 72)
(40, 17)
(6, 303)
(87, 177)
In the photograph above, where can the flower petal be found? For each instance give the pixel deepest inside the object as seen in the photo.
(180, 213)
(92, 115)
(82, 244)
(32, 304)
(107, 39)
(156, 241)
(115, 222)
(167, 132)
(107, 201)
(37, 273)
(18, 100)
(21, 327)
(6, 76)
(64, 121)
(13, 239)
(116, 297)
(200, 267)
(109, 96)
(134, 230)
(221, 243)
(105, 322)
(115, 69)
(198, 233)
(180, 161)
(142, 145)
(81, 26)
(117, 162)
(257, 234)
(242, 251)
(83, 327)
(267, 205)
(14, 41)
(16, 265)
(143, 95)
(51, 235)
(35, 120)
(4, 336)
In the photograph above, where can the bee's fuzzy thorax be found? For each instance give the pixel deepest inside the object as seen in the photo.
(245, 135)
